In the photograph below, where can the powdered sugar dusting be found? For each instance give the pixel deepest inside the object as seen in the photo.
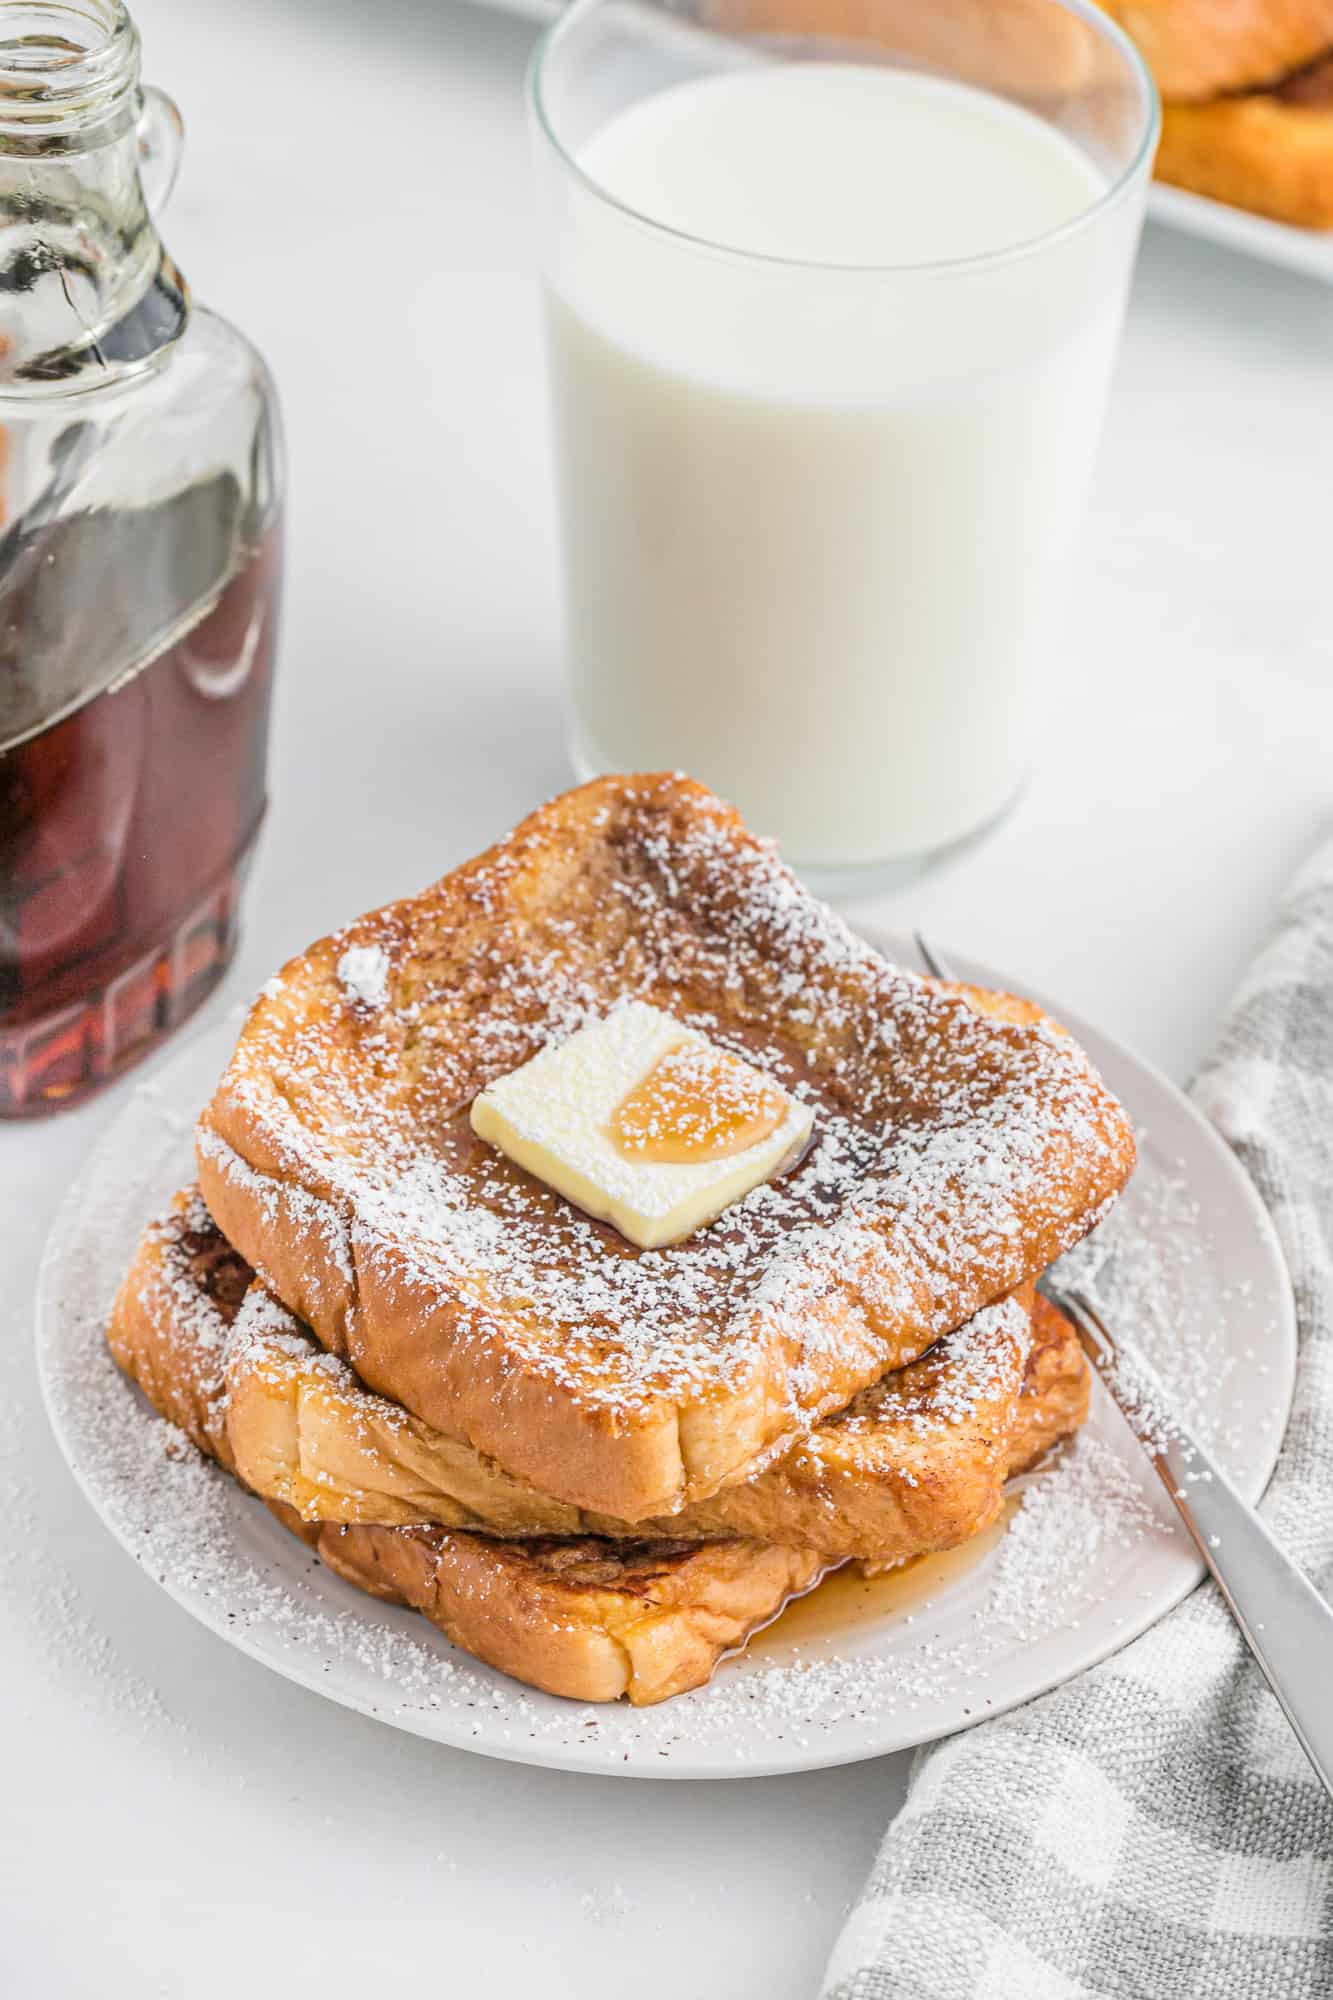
(1089, 1502)
(906, 1429)
(1056, 1599)
(204, 1540)
(1145, 1268)
(364, 972)
(947, 1148)
(969, 1366)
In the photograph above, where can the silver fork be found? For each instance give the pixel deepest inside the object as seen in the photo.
(1283, 1619)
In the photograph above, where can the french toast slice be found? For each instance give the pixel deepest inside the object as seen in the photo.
(1202, 48)
(586, 1619)
(1270, 151)
(917, 1462)
(954, 1156)
(590, 1619)
(172, 1321)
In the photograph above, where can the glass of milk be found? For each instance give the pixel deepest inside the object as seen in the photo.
(833, 294)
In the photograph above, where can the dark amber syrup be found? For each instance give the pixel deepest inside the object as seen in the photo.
(847, 1602)
(125, 829)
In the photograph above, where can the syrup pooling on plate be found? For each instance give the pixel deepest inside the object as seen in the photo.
(847, 1601)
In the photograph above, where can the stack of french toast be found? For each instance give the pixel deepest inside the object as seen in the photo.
(597, 1248)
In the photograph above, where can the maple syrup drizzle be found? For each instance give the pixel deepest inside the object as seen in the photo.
(696, 1105)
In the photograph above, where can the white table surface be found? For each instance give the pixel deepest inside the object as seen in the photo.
(176, 1820)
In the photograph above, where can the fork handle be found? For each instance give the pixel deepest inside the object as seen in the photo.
(1283, 1619)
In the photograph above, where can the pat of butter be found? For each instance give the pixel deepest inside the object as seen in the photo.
(556, 1116)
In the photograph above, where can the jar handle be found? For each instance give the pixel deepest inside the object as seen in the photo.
(161, 132)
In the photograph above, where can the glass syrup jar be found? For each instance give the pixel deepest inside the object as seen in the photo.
(140, 566)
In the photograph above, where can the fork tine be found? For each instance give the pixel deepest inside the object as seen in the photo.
(937, 967)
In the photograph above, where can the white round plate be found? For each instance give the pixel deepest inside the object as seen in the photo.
(1092, 1554)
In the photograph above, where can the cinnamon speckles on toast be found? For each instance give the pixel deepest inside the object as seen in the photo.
(955, 1156)
(593, 1619)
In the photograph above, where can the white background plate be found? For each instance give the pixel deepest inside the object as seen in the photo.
(1307, 250)
(1093, 1557)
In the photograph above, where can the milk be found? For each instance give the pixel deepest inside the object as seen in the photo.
(816, 517)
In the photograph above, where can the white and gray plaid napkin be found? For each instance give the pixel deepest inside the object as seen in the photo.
(1152, 1831)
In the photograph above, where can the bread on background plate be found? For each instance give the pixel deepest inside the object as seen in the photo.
(1270, 151)
(1198, 49)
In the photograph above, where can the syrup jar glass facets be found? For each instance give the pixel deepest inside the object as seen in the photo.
(140, 567)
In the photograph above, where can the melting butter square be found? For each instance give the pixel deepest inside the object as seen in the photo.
(554, 1116)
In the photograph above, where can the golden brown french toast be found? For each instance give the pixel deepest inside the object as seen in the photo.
(1270, 151)
(172, 1320)
(586, 1618)
(580, 1618)
(917, 1462)
(954, 1156)
(1201, 48)
(1056, 1389)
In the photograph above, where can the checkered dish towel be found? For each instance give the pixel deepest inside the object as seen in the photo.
(1152, 1830)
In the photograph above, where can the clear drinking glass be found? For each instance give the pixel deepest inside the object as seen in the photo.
(140, 572)
(817, 513)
